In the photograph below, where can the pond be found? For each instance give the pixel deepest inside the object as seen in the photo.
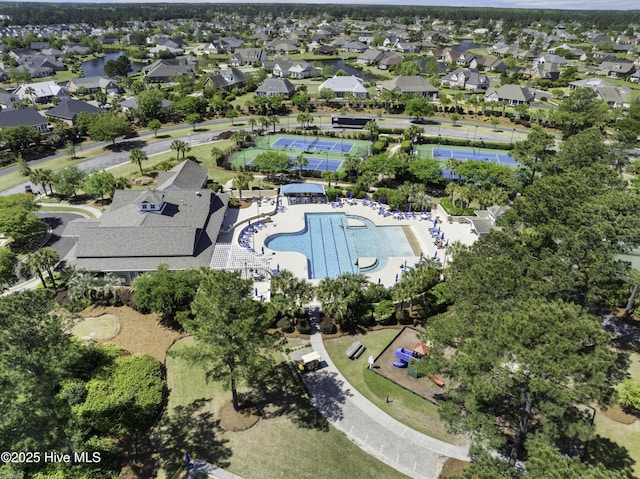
(342, 65)
(95, 67)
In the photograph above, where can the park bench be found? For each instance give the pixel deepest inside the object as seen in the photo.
(355, 350)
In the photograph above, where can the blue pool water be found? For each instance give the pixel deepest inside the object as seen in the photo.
(332, 246)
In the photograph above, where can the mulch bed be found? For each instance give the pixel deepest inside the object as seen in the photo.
(232, 420)
(139, 333)
(383, 366)
(616, 413)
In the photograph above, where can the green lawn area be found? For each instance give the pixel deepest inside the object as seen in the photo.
(626, 436)
(404, 406)
(291, 442)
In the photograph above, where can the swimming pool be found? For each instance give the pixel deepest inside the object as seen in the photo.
(332, 242)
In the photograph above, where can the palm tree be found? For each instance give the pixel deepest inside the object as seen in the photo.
(289, 294)
(179, 146)
(273, 120)
(30, 91)
(216, 155)
(137, 156)
(252, 122)
(372, 127)
(242, 181)
(44, 259)
(264, 122)
(300, 161)
(452, 165)
(340, 297)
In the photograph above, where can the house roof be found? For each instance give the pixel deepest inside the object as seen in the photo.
(187, 175)
(344, 83)
(276, 85)
(93, 82)
(23, 116)
(69, 109)
(409, 84)
(182, 235)
(512, 93)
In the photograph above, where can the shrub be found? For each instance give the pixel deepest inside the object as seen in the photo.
(327, 326)
(284, 325)
(629, 393)
(125, 397)
(304, 325)
(446, 203)
(383, 312)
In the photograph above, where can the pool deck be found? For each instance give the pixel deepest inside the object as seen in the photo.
(291, 219)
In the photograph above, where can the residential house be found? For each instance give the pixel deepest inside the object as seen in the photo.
(344, 85)
(131, 104)
(412, 85)
(488, 64)
(556, 60)
(175, 224)
(466, 79)
(94, 84)
(390, 60)
(615, 96)
(408, 47)
(276, 86)
(42, 92)
(228, 79)
(370, 56)
(617, 69)
(24, 117)
(293, 69)
(8, 99)
(514, 94)
(68, 110)
(283, 46)
(354, 47)
(165, 70)
(75, 49)
(325, 50)
(247, 57)
(542, 71)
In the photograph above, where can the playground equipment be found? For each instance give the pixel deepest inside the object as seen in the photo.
(409, 359)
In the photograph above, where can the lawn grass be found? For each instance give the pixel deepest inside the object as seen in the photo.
(626, 436)
(281, 446)
(403, 405)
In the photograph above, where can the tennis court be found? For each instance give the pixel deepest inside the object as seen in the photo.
(476, 154)
(315, 164)
(313, 145)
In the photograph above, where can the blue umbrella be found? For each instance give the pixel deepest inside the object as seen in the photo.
(351, 195)
(263, 250)
(420, 255)
(396, 277)
(397, 209)
(378, 280)
(187, 459)
(256, 291)
(378, 200)
(336, 197)
(410, 209)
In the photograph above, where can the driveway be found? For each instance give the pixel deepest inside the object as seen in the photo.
(58, 221)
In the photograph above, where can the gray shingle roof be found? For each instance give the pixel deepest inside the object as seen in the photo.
(188, 175)
(69, 109)
(23, 116)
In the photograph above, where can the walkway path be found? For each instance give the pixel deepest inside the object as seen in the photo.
(406, 450)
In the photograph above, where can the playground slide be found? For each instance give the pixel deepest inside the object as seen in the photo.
(404, 355)
(437, 381)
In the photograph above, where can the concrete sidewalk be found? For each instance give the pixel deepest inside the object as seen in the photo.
(406, 450)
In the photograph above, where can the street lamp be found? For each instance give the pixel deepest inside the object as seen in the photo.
(189, 139)
(512, 133)
(475, 133)
(439, 138)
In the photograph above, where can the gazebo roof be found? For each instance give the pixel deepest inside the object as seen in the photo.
(421, 349)
(309, 188)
